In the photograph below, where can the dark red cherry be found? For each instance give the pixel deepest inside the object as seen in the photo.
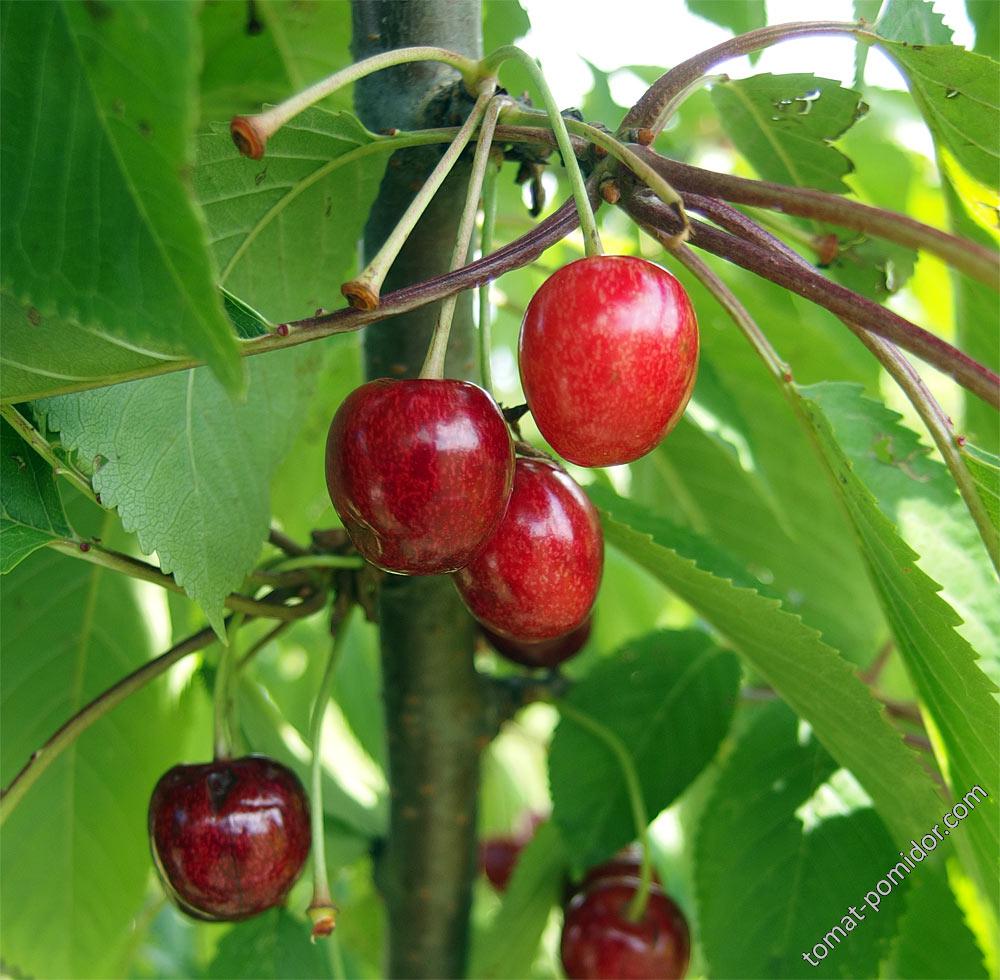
(548, 653)
(608, 356)
(420, 472)
(627, 863)
(600, 943)
(537, 577)
(498, 858)
(230, 837)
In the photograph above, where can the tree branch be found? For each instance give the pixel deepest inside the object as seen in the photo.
(973, 259)
(804, 281)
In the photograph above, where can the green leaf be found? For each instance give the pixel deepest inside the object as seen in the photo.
(675, 689)
(933, 940)
(290, 46)
(985, 470)
(31, 513)
(956, 92)
(977, 317)
(272, 946)
(770, 886)
(98, 224)
(918, 495)
(808, 675)
(508, 946)
(187, 468)
(785, 124)
(74, 854)
(866, 10)
(915, 21)
(738, 16)
(956, 695)
(284, 230)
(985, 15)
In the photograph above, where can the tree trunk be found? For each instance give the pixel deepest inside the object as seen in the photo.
(434, 702)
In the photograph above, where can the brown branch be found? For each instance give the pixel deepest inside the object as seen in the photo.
(969, 257)
(804, 281)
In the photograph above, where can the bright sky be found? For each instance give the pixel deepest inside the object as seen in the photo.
(612, 33)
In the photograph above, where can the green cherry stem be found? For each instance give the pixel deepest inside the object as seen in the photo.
(637, 907)
(588, 224)
(485, 247)
(223, 702)
(433, 366)
(251, 133)
(94, 710)
(363, 292)
(41, 445)
(322, 911)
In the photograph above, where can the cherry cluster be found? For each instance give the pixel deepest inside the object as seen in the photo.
(600, 936)
(425, 477)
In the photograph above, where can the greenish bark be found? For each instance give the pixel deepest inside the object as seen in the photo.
(434, 699)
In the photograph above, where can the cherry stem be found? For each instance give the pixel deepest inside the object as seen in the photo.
(272, 634)
(434, 363)
(97, 554)
(251, 133)
(655, 107)
(588, 224)
(309, 561)
(284, 543)
(625, 155)
(363, 292)
(223, 701)
(939, 427)
(321, 908)
(41, 445)
(69, 731)
(485, 307)
(637, 906)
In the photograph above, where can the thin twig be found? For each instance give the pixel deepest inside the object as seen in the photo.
(284, 543)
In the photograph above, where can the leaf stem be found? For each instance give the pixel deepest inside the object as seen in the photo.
(934, 418)
(485, 247)
(637, 907)
(433, 366)
(653, 109)
(223, 702)
(363, 292)
(70, 730)
(322, 911)
(251, 133)
(591, 237)
(99, 555)
(41, 445)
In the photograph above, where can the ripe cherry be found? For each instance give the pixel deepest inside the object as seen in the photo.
(229, 838)
(599, 942)
(627, 863)
(547, 653)
(537, 577)
(420, 472)
(608, 356)
(498, 858)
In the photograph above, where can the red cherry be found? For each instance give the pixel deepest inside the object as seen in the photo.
(498, 858)
(627, 863)
(608, 356)
(548, 653)
(600, 943)
(537, 578)
(420, 472)
(229, 837)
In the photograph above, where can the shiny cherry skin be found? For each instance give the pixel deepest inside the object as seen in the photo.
(230, 837)
(608, 355)
(420, 472)
(546, 654)
(600, 943)
(538, 576)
